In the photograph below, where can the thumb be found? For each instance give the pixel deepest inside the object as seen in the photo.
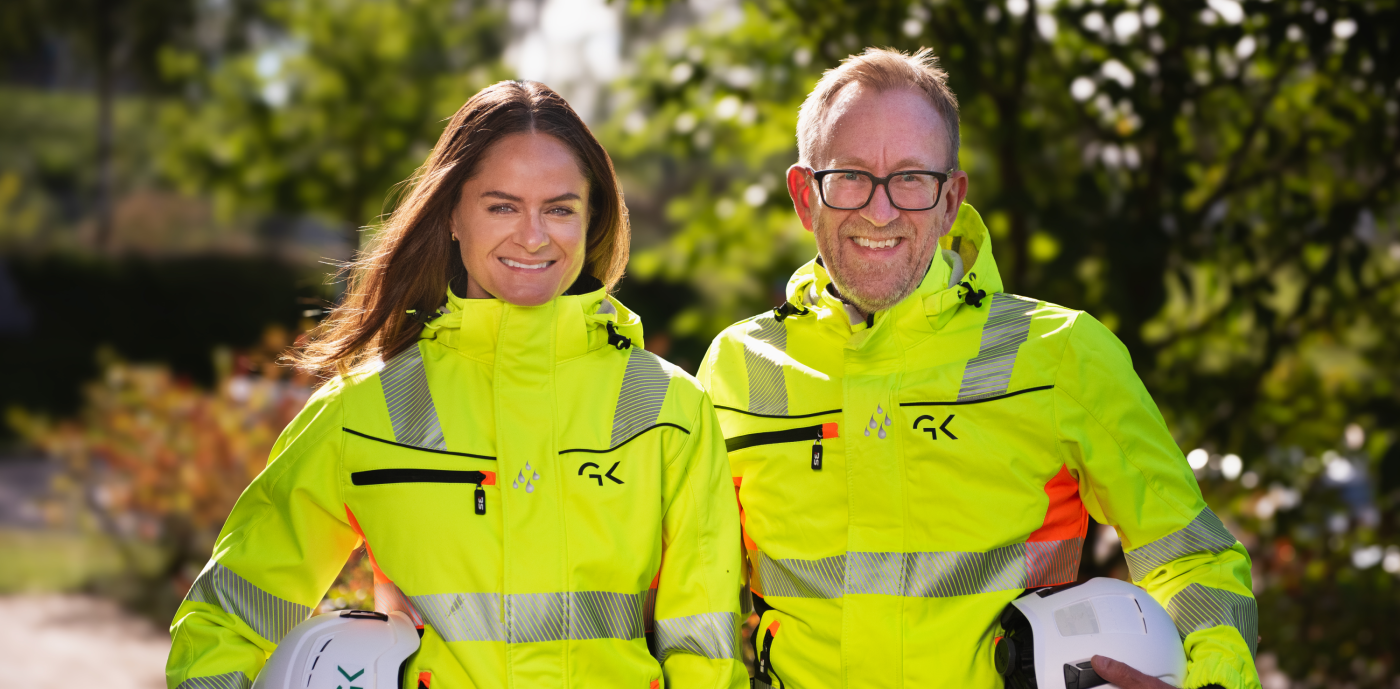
(1121, 674)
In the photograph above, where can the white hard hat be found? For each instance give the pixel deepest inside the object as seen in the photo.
(1051, 633)
(359, 647)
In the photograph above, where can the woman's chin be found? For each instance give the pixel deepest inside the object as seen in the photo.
(528, 292)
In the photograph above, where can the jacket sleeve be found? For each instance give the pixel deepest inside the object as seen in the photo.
(1133, 476)
(697, 594)
(280, 549)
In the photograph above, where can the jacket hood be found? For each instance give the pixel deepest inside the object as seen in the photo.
(963, 265)
(576, 322)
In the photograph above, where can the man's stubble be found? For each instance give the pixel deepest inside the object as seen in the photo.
(873, 286)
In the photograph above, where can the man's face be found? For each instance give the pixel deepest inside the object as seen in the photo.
(877, 255)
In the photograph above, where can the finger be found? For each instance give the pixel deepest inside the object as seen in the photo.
(1121, 674)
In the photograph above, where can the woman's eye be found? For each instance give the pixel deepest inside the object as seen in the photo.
(500, 208)
(561, 211)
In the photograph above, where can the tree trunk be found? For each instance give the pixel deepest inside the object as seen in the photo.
(104, 48)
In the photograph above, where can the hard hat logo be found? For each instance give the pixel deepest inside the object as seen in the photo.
(349, 677)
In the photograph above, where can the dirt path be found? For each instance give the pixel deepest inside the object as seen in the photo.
(65, 641)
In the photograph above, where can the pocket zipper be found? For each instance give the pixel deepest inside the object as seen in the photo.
(764, 671)
(379, 477)
(791, 435)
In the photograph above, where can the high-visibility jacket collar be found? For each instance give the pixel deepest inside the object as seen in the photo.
(945, 287)
(569, 325)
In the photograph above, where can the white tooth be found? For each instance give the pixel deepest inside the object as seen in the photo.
(517, 264)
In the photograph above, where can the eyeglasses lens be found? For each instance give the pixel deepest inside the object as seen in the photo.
(851, 190)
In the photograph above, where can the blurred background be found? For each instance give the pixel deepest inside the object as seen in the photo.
(1218, 181)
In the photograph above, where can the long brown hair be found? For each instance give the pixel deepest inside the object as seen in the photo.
(411, 260)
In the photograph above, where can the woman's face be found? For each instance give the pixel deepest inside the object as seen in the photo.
(523, 220)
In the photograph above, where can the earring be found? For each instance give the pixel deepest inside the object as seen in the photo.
(453, 235)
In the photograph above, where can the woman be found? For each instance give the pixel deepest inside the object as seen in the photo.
(532, 487)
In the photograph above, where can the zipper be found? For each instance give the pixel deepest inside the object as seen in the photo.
(764, 671)
(791, 435)
(379, 477)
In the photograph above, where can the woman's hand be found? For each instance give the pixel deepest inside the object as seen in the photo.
(1124, 677)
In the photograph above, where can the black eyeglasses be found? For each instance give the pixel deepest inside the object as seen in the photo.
(908, 190)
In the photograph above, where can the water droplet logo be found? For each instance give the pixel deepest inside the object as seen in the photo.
(874, 424)
(530, 481)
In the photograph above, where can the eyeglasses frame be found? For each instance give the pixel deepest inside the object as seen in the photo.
(877, 182)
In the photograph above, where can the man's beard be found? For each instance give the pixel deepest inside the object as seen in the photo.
(874, 285)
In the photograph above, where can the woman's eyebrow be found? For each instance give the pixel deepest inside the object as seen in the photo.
(571, 196)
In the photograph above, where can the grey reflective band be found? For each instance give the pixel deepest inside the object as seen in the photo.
(411, 410)
(463, 616)
(922, 575)
(1053, 562)
(936, 575)
(711, 635)
(1205, 534)
(271, 617)
(229, 680)
(1198, 607)
(767, 389)
(794, 578)
(1008, 325)
(532, 617)
(642, 394)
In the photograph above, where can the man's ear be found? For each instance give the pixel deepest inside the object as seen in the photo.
(801, 192)
(954, 191)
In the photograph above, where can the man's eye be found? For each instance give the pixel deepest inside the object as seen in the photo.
(850, 176)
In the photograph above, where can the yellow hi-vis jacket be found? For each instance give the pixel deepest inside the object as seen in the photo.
(903, 478)
(532, 491)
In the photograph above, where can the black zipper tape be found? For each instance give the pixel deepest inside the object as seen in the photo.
(379, 477)
(790, 435)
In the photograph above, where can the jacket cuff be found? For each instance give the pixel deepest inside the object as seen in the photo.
(1219, 671)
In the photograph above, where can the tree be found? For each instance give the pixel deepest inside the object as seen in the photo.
(338, 102)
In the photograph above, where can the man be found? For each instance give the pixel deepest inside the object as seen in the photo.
(913, 448)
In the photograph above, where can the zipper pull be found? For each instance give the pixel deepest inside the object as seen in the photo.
(817, 453)
(480, 499)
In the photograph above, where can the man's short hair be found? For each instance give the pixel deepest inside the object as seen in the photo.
(881, 69)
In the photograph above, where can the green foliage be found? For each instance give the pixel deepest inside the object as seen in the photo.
(342, 101)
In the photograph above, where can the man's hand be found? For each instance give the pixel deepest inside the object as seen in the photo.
(1124, 677)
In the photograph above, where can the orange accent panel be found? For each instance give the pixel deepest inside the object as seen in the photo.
(656, 581)
(829, 430)
(490, 478)
(425, 680)
(656, 684)
(748, 542)
(773, 628)
(379, 577)
(1065, 518)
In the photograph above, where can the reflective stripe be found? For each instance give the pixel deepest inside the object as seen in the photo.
(1205, 534)
(643, 392)
(1008, 325)
(1198, 607)
(824, 578)
(709, 634)
(463, 616)
(533, 617)
(269, 616)
(937, 575)
(1053, 562)
(923, 575)
(410, 403)
(230, 680)
(767, 389)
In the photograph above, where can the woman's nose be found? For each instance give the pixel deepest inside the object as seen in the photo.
(531, 235)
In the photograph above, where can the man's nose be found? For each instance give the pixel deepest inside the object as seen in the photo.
(880, 211)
